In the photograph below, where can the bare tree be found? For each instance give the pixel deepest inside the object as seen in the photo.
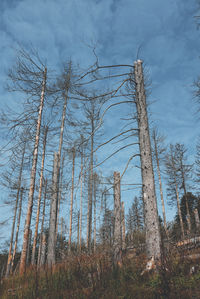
(158, 151)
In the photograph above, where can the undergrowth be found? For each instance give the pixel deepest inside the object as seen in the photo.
(95, 277)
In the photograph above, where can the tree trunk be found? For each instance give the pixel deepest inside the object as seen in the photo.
(51, 256)
(95, 229)
(90, 190)
(72, 198)
(29, 247)
(17, 230)
(179, 212)
(60, 194)
(39, 199)
(22, 266)
(123, 228)
(78, 230)
(15, 213)
(43, 250)
(197, 222)
(42, 225)
(117, 218)
(160, 184)
(153, 241)
(81, 196)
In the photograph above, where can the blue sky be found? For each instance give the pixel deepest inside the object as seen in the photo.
(166, 31)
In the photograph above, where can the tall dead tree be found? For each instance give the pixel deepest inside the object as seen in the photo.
(39, 198)
(123, 227)
(72, 198)
(173, 183)
(15, 212)
(51, 254)
(117, 247)
(196, 217)
(153, 241)
(42, 224)
(22, 267)
(17, 230)
(158, 150)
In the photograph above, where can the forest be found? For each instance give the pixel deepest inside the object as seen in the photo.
(88, 183)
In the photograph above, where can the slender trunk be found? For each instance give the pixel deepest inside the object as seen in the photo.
(123, 227)
(43, 250)
(17, 230)
(95, 229)
(78, 227)
(160, 184)
(179, 211)
(51, 256)
(90, 189)
(15, 213)
(81, 196)
(117, 218)
(22, 266)
(42, 224)
(72, 198)
(153, 241)
(39, 199)
(29, 248)
(186, 204)
(60, 194)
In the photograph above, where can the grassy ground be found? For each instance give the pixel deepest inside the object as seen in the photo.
(94, 277)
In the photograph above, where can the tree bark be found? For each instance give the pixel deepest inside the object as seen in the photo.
(51, 256)
(43, 250)
(39, 199)
(179, 211)
(29, 247)
(153, 241)
(22, 267)
(15, 213)
(117, 218)
(72, 198)
(95, 228)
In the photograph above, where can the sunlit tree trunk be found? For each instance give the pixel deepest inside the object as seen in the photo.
(15, 213)
(95, 229)
(22, 267)
(117, 220)
(72, 198)
(51, 256)
(29, 248)
(153, 241)
(60, 194)
(39, 199)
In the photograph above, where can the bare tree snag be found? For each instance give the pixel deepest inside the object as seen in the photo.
(153, 242)
(15, 213)
(81, 197)
(117, 221)
(17, 230)
(51, 255)
(179, 211)
(123, 227)
(22, 266)
(72, 198)
(95, 222)
(154, 136)
(42, 224)
(39, 199)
